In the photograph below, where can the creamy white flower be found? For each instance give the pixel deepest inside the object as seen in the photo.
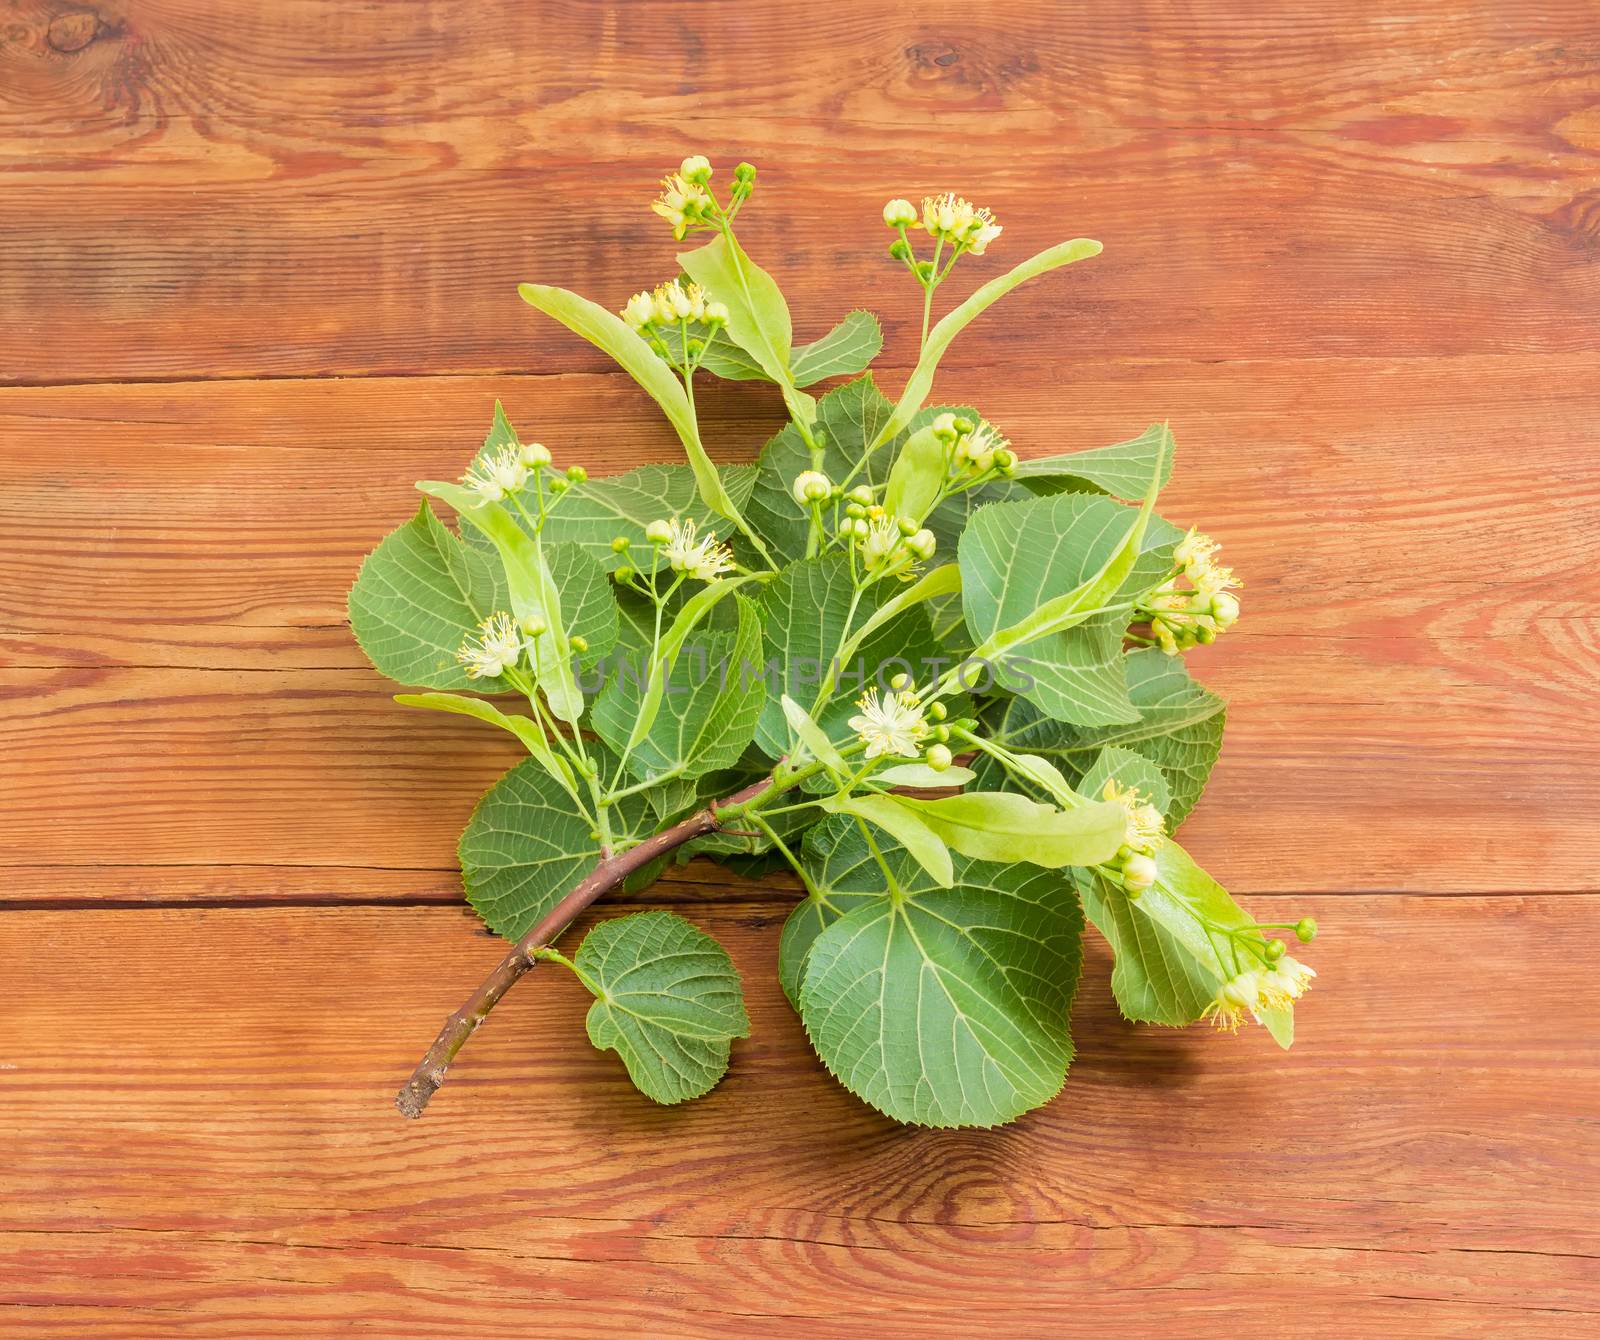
(1145, 829)
(889, 724)
(682, 203)
(496, 648)
(641, 309)
(1286, 981)
(979, 447)
(882, 542)
(1233, 998)
(702, 557)
(495, 476)
(1196, 555)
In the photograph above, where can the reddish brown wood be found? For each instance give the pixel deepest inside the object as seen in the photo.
(256, 276)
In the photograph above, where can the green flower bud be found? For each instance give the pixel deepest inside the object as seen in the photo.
(559, 486)
(862, 494)
(937, 711)
(624, 574)
(1305, 930)
(534, 627)
(900, 250)
(938, 757)
(940, 733)
(577, 643)
(619, 545)
(924, 271)
(965, 425)
(1276, 950)
(900, 682)
(907, 526)
(577, 474)
(745, 172)
(854, 510)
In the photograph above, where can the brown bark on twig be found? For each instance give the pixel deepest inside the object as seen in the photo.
(607, 875)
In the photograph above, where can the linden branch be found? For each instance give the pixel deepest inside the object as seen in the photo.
(608, 874)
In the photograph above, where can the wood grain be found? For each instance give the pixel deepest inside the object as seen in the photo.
(326, 186)
(257, 266)
(1413, 678)
(247, 1181)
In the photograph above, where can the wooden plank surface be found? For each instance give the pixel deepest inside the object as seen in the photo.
(256, 276)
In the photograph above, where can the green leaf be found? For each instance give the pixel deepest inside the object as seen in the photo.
(1155, 979)
(947, 1007)
(758, 316)
(593, 514)
(895, 816)
(916, 477)
(1122, 470)
(921, 775)
(811, 737)
(1127, 769)
(849, 417)
(1029, 570)
(526, 729)
(694, 611)
(533, 592)
(940, 337)
(803, 617)
(1004, 826)
(842, 352)
(993, 567)
(611, 333)
(667, 1001)
(524, 847)
(708, 710)
(1179, 729)
(418, 596)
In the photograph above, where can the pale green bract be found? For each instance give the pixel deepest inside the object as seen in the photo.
(936, 675)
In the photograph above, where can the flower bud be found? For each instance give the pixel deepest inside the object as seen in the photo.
(923, 543)
(534, 626)
(1276, 949)
(623, 575)
(937, 711)
(854, 510)
(1225, 609)
(908, 527)
(535, 454)
(696, 168)
(620, 544)
(658, 532)
(899, 213)
(578, 643)
(900, 683)
(811, 486)
(938, 757)
(559, 485)
(577, 474)
(899, 250)
(924, 271)
(716, 314)
(861, 494)
(1138, 873)
(941, 733)
(1005, 460)
(944, 427)
(1305, 930)
(745, 172)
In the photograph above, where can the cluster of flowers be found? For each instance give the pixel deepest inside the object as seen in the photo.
(948, 219)
(1181, 617)
(886, 543)
(973, 448)
(683, 549)
(1144, 831)
(673, 304)
(1280, 982)
(508, 470)
(686, 201)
